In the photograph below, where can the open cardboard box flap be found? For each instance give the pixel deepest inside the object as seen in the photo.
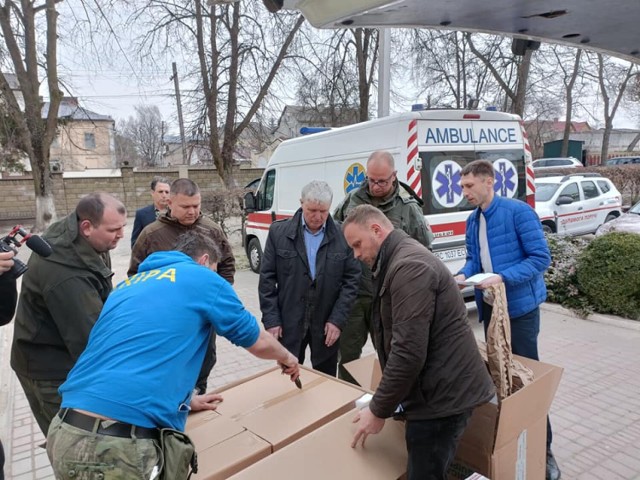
(535, 399)
(366, 371)
(501, 444)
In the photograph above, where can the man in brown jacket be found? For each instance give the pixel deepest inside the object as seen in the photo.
(184, 215)
(432, 373)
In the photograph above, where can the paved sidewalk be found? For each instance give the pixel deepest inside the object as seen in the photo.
(595, 415)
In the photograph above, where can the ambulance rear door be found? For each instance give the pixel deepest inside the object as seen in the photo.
(445, 148)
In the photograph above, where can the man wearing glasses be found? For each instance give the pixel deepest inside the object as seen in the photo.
(404, 209)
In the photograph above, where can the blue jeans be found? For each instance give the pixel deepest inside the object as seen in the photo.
(432, 444)
(524, 340)
(524, 331)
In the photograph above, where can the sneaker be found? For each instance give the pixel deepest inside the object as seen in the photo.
(553, 471)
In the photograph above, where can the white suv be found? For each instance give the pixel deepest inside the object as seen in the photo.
(559, 162)
(576, 204)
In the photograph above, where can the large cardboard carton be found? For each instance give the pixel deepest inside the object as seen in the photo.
(224, 447)
(198, 418)
(510, 442)
(262, 414)
(326, 453)
(271, 406)
(503, 443)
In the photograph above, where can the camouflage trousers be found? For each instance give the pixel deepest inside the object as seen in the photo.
(82, 455)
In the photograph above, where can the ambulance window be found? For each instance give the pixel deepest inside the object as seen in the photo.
(510, 171)
(590, 190)
(570, 190)
(441, 191)
(265, 194)
(604, 186)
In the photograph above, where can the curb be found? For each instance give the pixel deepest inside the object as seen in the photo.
(594, 317)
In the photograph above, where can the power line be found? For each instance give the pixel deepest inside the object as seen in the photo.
(116, 38)
(126, 95)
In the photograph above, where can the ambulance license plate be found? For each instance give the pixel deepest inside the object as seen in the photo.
(451, 254)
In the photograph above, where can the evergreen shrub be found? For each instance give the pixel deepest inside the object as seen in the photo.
(608, 272)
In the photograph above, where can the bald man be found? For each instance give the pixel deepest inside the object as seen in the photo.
(61, 298)
(404, 209)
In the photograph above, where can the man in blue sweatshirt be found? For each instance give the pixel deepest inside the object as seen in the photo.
(140, 366)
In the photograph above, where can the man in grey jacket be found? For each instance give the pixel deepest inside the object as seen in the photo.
(432, 372)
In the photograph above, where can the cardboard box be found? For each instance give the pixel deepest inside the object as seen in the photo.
(326, 453)
(224, 447)
(504, 444)
(198, 418)
(271, 406)
(510, 443)
(262, 414)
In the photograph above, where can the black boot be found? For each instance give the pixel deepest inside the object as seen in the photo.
(553, 471)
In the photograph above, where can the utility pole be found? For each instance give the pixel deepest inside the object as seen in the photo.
(162, 143)
(179, 103)
(384, 71)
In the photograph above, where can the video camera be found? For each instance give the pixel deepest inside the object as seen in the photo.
(10, 243)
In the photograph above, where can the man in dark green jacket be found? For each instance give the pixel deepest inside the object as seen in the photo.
(61, 298)
(400, 205)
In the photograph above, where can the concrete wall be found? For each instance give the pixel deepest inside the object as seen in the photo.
(17, 198)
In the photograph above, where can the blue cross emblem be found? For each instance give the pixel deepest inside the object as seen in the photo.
(506, 181)
(449, 191)
(354, 177)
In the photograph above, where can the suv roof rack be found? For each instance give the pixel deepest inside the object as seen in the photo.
(586, 174)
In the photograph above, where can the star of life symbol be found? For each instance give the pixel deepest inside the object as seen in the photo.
(506, 183)
(354, 177)
(446, 184)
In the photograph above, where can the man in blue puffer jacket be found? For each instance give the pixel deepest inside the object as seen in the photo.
(504, 236)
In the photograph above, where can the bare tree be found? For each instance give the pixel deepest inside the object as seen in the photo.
(633, 100)
(10, 154)
(125, 148)
(569, 100)
(239, 50)
(612, 78)
(20, 24)
(514, 86)
(442, 69)
(366, 41)
(335, 74)
(145, 131)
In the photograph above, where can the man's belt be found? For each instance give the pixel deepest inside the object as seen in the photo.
(116, 429)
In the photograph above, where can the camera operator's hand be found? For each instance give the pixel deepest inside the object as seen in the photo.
(6, 261)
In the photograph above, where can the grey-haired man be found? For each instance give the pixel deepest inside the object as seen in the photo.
(308, 280)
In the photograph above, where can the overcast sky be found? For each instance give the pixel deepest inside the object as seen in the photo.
(115, 83)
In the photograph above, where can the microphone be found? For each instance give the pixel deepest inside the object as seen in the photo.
(39, 245)
(15, 239)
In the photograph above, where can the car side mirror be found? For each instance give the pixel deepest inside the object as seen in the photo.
(249, 202)
(564, 200)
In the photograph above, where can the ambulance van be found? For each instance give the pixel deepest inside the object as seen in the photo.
(430, 148)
